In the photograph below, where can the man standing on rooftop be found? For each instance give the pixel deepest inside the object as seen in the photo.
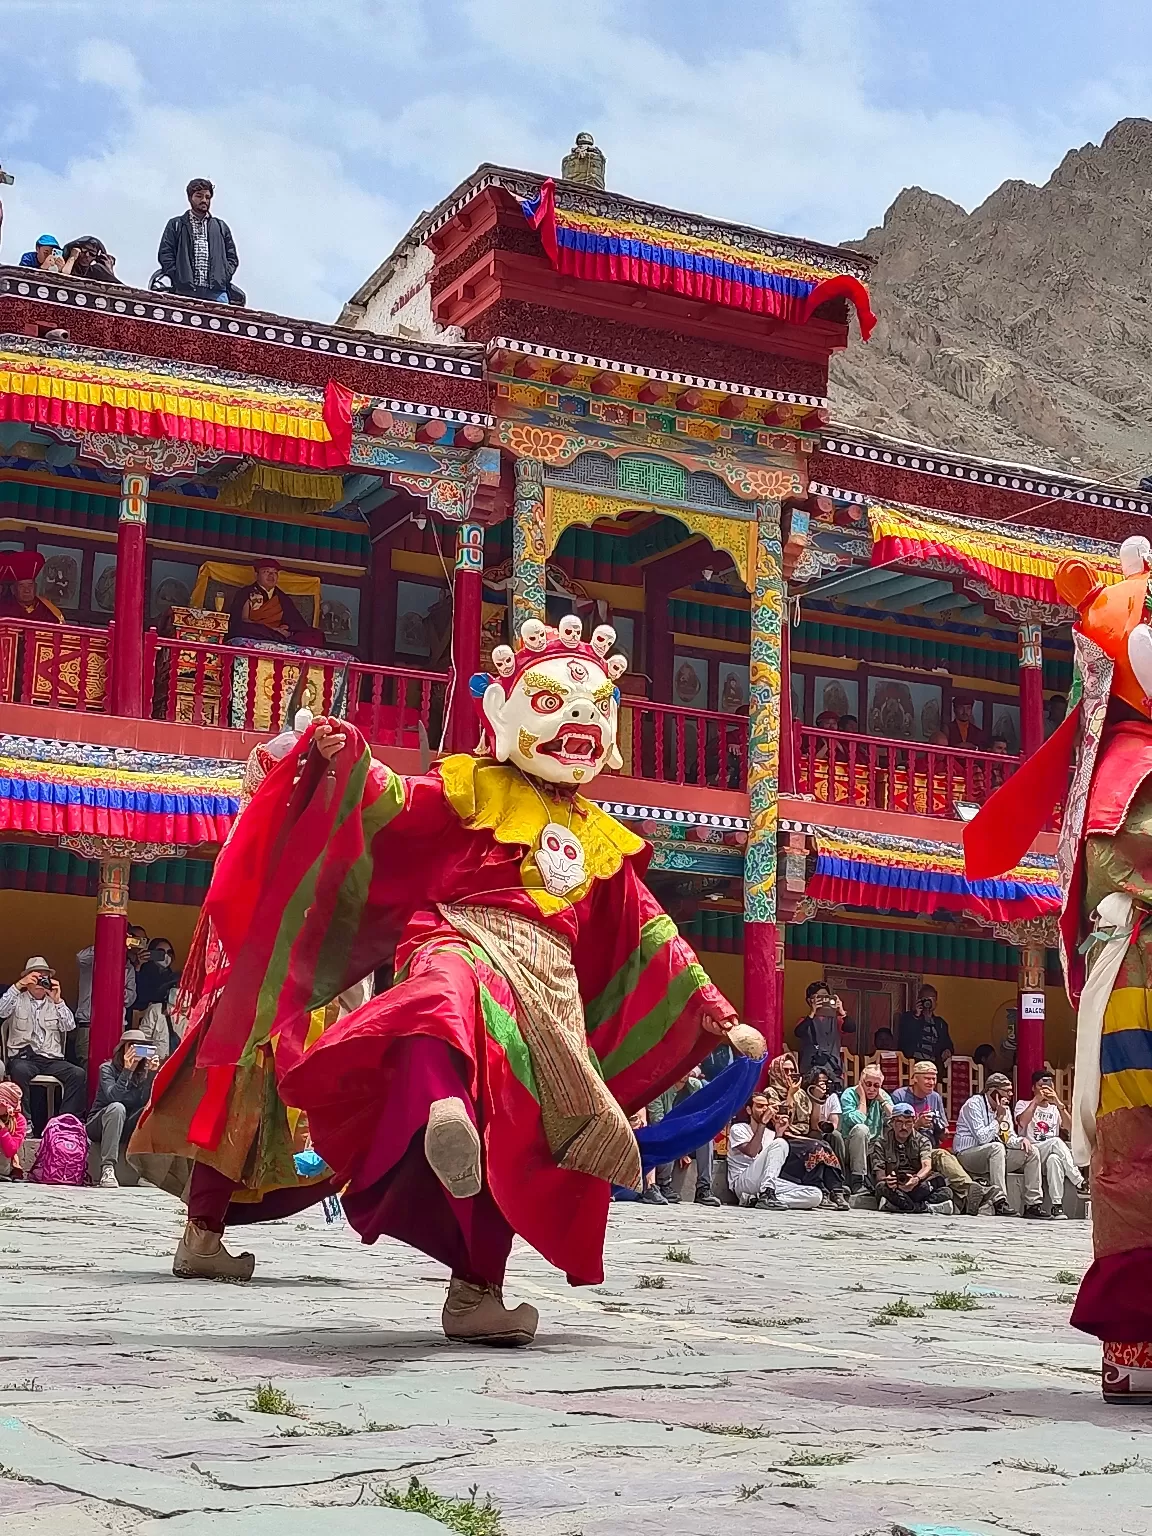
(197, 253)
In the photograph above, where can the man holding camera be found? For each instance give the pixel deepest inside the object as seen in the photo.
(37, 1022)
(821, 1032)
(923, 1035)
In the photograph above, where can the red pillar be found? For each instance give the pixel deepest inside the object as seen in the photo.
(127, 691)
(763, 993)
(1031, 689)
(467, 613)
(108, 965)
(1030, 1018)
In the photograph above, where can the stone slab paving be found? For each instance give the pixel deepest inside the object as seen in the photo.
(751, 1383)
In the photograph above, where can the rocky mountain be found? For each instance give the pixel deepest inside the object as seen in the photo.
(1021, 330)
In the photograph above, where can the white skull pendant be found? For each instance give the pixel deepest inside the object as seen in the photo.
(560, 860)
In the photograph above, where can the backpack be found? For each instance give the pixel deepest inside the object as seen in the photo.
(62, 1157)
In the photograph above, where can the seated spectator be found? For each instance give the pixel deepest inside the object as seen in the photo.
(932, 1121)
(864, 1112)
(999, 745)
(155, 981)
(985, 1056)
(1041, 1119)
(13, 1130)
(826, 1102)
(811, 1161)
(125, 1088)
(987, 1145)
(938, 739)
(963, 731)
(821, 1032)
(650, 1194)
(264, 611)
(47, 255)
(89, 258)
(22, 567)
(901, 1163)
(884, 1040)
(702, 1157)
(757, 1153)
(848, 723)
(77, 1047)
(37, 1021)
(827, 720)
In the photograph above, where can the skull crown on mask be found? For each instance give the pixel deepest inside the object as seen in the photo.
(553, 708)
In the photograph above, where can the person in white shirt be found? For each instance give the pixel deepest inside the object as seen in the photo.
(826, 1111)
(986, 1143)
(756, 1154)
(1041, 1119)
(37, 1023)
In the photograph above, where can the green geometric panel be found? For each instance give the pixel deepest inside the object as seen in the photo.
(656, 477)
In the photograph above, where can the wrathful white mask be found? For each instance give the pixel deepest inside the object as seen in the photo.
(559, 721)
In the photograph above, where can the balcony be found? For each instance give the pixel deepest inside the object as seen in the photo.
(841, 768)
(223, 689)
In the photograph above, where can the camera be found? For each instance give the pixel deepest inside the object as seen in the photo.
(43, 979)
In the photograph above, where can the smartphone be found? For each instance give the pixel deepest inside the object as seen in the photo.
(144, 1052)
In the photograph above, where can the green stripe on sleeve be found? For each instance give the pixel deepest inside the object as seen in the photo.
(651, 1029)
(656, 932)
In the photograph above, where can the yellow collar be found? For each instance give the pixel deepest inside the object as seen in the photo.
(497, 798)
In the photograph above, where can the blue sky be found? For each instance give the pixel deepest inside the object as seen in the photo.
(327, 125)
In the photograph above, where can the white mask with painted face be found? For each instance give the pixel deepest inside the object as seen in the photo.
(559, 722)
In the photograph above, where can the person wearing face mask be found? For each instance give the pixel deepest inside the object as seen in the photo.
(155, 981)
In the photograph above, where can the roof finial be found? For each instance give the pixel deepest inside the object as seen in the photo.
(584, 163)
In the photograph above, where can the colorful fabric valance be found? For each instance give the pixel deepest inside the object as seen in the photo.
(615, 250)
(64, 787)
(1019, 563)
(90, 392)
(900, 875)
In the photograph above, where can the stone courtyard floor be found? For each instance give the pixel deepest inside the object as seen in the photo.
(732, 1373)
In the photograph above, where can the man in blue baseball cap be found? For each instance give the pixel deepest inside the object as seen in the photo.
(46, 255)
(901, 1159)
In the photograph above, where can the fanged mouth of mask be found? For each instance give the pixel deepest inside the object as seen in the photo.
(574, 744)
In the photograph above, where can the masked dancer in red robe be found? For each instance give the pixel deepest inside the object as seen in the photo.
(541, 994)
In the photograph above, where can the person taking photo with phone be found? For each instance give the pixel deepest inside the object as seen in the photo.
(820, 1033)
(36, 1023)
(125, 1088)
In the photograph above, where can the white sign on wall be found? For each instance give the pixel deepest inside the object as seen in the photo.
(1032, 1005)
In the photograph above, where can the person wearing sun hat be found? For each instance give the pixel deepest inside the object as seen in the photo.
(47, 256)
(37, 1023)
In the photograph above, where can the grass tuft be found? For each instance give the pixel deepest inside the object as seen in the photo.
(819, 1459)
(768, 1322)
(1132, 1464)
(270, 1399)
(651, 1283)
(954, 1301)
(1066, 1277)
(1048, 1467)
(737, 1431)
(465, 1516)
(900, 1308)
(680, 1256)
(748, 1491)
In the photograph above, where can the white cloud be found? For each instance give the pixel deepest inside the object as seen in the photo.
(99, 62)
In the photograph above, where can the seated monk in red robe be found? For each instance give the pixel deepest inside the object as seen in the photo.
(264, 611)
(22, 569)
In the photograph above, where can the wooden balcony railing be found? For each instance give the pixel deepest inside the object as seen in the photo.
(841, 768)
(59, 666)
(219, 685)
(683, 746)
